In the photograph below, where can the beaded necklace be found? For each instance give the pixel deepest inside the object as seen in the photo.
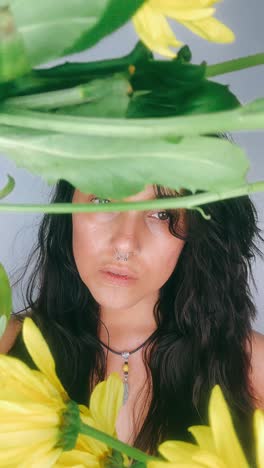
(125, 355)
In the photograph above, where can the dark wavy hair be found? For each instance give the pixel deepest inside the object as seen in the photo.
(204, 318)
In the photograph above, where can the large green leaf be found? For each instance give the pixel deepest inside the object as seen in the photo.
(119, 167)
(13, 56)
(49, 27)
(5, 299)
(52, 29)
(116, 13)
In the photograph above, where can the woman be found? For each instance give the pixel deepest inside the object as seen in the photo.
(185, 314)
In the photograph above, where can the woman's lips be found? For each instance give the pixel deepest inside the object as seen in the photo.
(117, 279)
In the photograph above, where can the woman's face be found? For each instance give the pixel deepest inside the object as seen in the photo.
(97, 236)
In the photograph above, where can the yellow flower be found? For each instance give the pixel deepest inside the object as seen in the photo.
(197, 15)
(218, 445)
(259, 435)
(32, 409)
(105, 403)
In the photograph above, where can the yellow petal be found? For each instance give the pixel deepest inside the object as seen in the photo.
(197, 15)
(84, 410)
(187, 15)
(181, 4)
(59, 465)
(29, 438)
(14, 456)
(208, 460)
(259, 436)
(156, 464)
(154, 31)
(23, 416)
(106, 401)
(43, 456)
(210, 29)
(227, 445)
(18, 382)
(204, 437)
(41, 355)
(90, 444)
(178, 451)
(77, 457)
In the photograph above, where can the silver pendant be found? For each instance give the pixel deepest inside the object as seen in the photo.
(125, 398)
(125, 356)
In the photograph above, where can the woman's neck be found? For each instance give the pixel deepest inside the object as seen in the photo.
(126, 329)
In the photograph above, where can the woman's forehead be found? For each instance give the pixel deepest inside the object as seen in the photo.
(149, 193)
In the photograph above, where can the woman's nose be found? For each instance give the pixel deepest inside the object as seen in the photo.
(128, 231)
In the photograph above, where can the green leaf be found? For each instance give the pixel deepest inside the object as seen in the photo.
(167, 88)
(110, 98)
(183, 100)
(254, 107)
(118, 167)
(72, 74)
(5, 299)
(115, 460)
(138, 465)
(53, 29)
(116, 13)
(14, 61)
(3, 325)
(8, 188)
(49, 27)
(155, 74)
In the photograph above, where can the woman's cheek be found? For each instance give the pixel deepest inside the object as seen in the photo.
(172, 257)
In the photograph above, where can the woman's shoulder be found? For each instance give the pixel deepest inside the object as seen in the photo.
(10, 334)
(12, 331)
(257, 366)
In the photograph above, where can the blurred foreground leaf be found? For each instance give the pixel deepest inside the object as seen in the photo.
(13, 56)
(119, 167)
(8, 188)
(52, 29)
(115, 14)
(5, 299)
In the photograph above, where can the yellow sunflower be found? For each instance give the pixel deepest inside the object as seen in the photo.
(218, 445)
(33, 405)
(259, 435)
(105, 403)
(151, 25)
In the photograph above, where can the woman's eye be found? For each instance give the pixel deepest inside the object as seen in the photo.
(104, 200)
(163, 214)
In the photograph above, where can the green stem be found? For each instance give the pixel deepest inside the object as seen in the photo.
(86, 92)
(189, 202)
(242, 118)
(235, 65)
(116, 444)
(51, 99)
(87, 69)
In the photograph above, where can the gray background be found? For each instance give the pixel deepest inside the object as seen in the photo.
(18, 232)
